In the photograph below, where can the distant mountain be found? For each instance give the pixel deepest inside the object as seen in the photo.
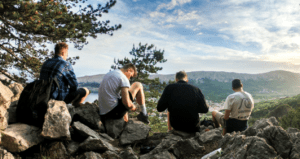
(217, 85)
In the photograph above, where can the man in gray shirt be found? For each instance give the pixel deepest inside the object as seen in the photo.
(116, 95)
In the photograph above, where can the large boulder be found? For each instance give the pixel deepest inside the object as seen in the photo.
(5, 96)
(134, 131)
(84, 130)
(128, 153)
(19, 137)
(88, 114)
(4, 117)
(209, 139)
(5, 155)
(114, 127)
(89, 155)
(295, 153)
(261, 124)
(278, 138)
(99, 145)
(17, 89)
(54, 150)
(57, 121)
(72, 147)
(188, 148)
(240, 146)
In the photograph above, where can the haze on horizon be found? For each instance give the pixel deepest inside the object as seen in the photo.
(241, 36)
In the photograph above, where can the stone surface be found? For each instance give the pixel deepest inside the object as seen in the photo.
(5, 155)
(5, 96)
(89, 155)
(57, 121)
(250, 131)
(55, 150)
(114, 127)
(295, 152)
(128, 154)
(134, 131)
(292, 130)
(12, 114)
(19, 137)
(4, 117)
(184, 135)
(17, 89)
(92, 144)
(84, 130)
(240, 146)
(88, 114)
(155, 139)
(261, 124)
(160, 155)
(209, 139)
(166, 143)
(278, 138)
(188, 148)
(72, 147)
(110, 155)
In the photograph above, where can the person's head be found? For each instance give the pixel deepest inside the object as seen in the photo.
(129, 70)
(181, 76)
(237, 85)
(61, 49)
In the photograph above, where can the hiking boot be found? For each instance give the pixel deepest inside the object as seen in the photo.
(143, 118)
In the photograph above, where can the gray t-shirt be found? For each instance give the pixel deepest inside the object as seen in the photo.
(109, 90)
(240, 104)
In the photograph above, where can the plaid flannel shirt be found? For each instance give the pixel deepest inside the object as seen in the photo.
(63, 71)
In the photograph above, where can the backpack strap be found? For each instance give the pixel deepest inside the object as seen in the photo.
(56, 82)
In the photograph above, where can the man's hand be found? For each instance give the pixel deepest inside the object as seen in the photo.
(133, 108)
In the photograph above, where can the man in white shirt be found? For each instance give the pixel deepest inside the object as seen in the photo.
(238, 107)
(116, 95)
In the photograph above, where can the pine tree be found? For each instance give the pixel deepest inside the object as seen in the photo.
(145, 58)
(26, 26)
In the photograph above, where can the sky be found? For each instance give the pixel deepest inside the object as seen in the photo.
(242, 36)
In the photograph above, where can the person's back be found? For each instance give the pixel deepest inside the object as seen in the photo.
(184, 103)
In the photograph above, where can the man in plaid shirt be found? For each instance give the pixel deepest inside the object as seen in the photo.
(61, 69)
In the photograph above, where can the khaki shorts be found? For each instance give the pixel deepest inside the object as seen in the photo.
(220, 119)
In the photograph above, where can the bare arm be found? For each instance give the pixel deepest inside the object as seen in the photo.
(126, 99)
(227, 113)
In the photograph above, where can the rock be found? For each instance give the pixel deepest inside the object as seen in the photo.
(209, 139)
(5, 155)
(295, 153)
(166, 143)
(160, 155)
(106, 137)
(240, 146)
(114, 127)
(294, 136)
(278, 138)
(292, 130)
(134, 131)
(128, 154)
(12, 114)
(19, 137)
(71, 110)
(57, 121)
(110, 155)
(250, 131)
(184, 135)
(4, 117)
(188, 148)
(154, 140)
(92, 144)
(89, 155)
(88, 114)
(17, 89)
(72, 147)
(261, 124)
(55, 150)
(84, 131)
(5, 96)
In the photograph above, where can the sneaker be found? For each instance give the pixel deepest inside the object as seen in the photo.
(141, 117)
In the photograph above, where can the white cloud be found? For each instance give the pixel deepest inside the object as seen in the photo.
(200, 33)
(172, 4)
(157, 14)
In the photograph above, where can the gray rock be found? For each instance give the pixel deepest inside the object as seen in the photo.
(17, 89)
(209, 139)
(55, 150)
(4, 117)
(89, 155)
(110, 155)
(160, 155)
(166, 143)
(88, 114)
(155, 139)
(261, 124)
(278, 138)
(292, 130)
(72, 147)
(128, 154)
(295, 153)
(106, 137)
(294, 136)
(114, 127)
(188, 148)
(241, 146)
(71, 110)
(134, 131)
(184, 135)
(250, 132)
(5, 155)
(57, 121)
(12, 114)
(84, 130)
(19, 137)
(5, 96)
(92, 144)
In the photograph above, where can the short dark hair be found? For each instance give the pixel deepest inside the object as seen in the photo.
(181, 75)
(59, 47)
(236, 83)
(130, 65)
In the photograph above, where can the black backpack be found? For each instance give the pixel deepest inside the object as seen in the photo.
(33, 102)
(207, 122)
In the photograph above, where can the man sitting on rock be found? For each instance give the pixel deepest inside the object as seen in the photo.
(238, 107)
(184, 103)
(61, 69)
(116, 95)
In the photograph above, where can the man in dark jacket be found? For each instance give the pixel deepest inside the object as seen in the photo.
(184, 103)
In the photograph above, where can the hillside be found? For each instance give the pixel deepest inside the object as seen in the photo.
(216, 86)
